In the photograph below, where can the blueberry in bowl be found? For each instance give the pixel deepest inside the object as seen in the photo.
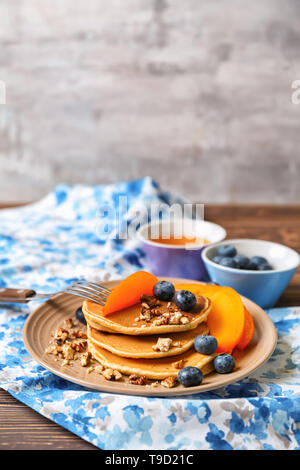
(229, 262)
(229, 257)
(227, 251)
(241, 261)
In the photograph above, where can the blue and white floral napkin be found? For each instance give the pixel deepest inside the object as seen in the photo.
(48, 244)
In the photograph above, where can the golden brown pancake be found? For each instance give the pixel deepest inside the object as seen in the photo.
(157, 369)
(126, 321)
(142, 346)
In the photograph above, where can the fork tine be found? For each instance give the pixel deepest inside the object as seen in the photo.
(86, 291)
(89, 290)
(84, 295)
(98, 287)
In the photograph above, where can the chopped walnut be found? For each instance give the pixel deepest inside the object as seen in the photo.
(145, 315)
(85, 359)
(90, 369)
(178, 364)
(99, 369)
(175, 318)
(66, 362)
(69, 323)
(150, 300)
(162, 345)
(176, 344)
(160, 321)
(184, 320)
(145, 305)
(67, 351)
(169, 382)
(154, 385)
(79, 334)
(57, 351)
(137, 379)
(80, 346)
(111, 374)
(60, 336)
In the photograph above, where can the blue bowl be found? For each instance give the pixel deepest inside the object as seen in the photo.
(262, 287)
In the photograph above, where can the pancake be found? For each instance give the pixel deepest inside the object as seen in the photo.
(141, 346)
(157, 369)
(126, 321)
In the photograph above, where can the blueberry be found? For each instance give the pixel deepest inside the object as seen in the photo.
(190, 376)
(241, 261)
(224, 363)
(205, 344)
(217, 259)
(252, 266)
(257, 260)
(227, 250)
(164, 290)
(79, 315)
(228, 262)
(264, 267)
(185, 300)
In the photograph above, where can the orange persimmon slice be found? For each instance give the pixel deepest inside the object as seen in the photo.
(129, 291)
(248, 331)
(226, 319)
(206, 290)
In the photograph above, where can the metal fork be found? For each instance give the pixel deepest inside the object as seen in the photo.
(85, 289)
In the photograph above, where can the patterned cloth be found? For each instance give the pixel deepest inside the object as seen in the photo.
(48, 244)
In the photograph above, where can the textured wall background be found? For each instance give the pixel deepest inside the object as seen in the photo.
(196, 94)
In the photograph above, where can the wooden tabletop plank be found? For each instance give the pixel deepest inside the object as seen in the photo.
(23, 428)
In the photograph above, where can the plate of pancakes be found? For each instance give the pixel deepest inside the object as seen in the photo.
(123, 343)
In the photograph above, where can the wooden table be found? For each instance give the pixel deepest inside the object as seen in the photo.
(23, 428)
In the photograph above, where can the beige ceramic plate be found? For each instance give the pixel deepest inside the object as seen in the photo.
(48, 316)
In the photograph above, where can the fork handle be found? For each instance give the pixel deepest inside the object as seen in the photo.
(15, 294)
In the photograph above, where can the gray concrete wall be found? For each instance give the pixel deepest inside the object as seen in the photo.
(196, 94)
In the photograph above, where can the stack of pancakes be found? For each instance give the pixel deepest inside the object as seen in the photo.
(125, 341)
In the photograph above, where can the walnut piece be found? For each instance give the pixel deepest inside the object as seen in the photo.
(175, 318)
(145, 315)
(160, 321)
(85, 359)
(69, 323)
(169, 382)
(162, 345)
(80, 346)
(60, 336)
(111, 374)
(137, 379)
(154, 385)
(99, 369)
(79, 334)
(178, 364)
(67, 351)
